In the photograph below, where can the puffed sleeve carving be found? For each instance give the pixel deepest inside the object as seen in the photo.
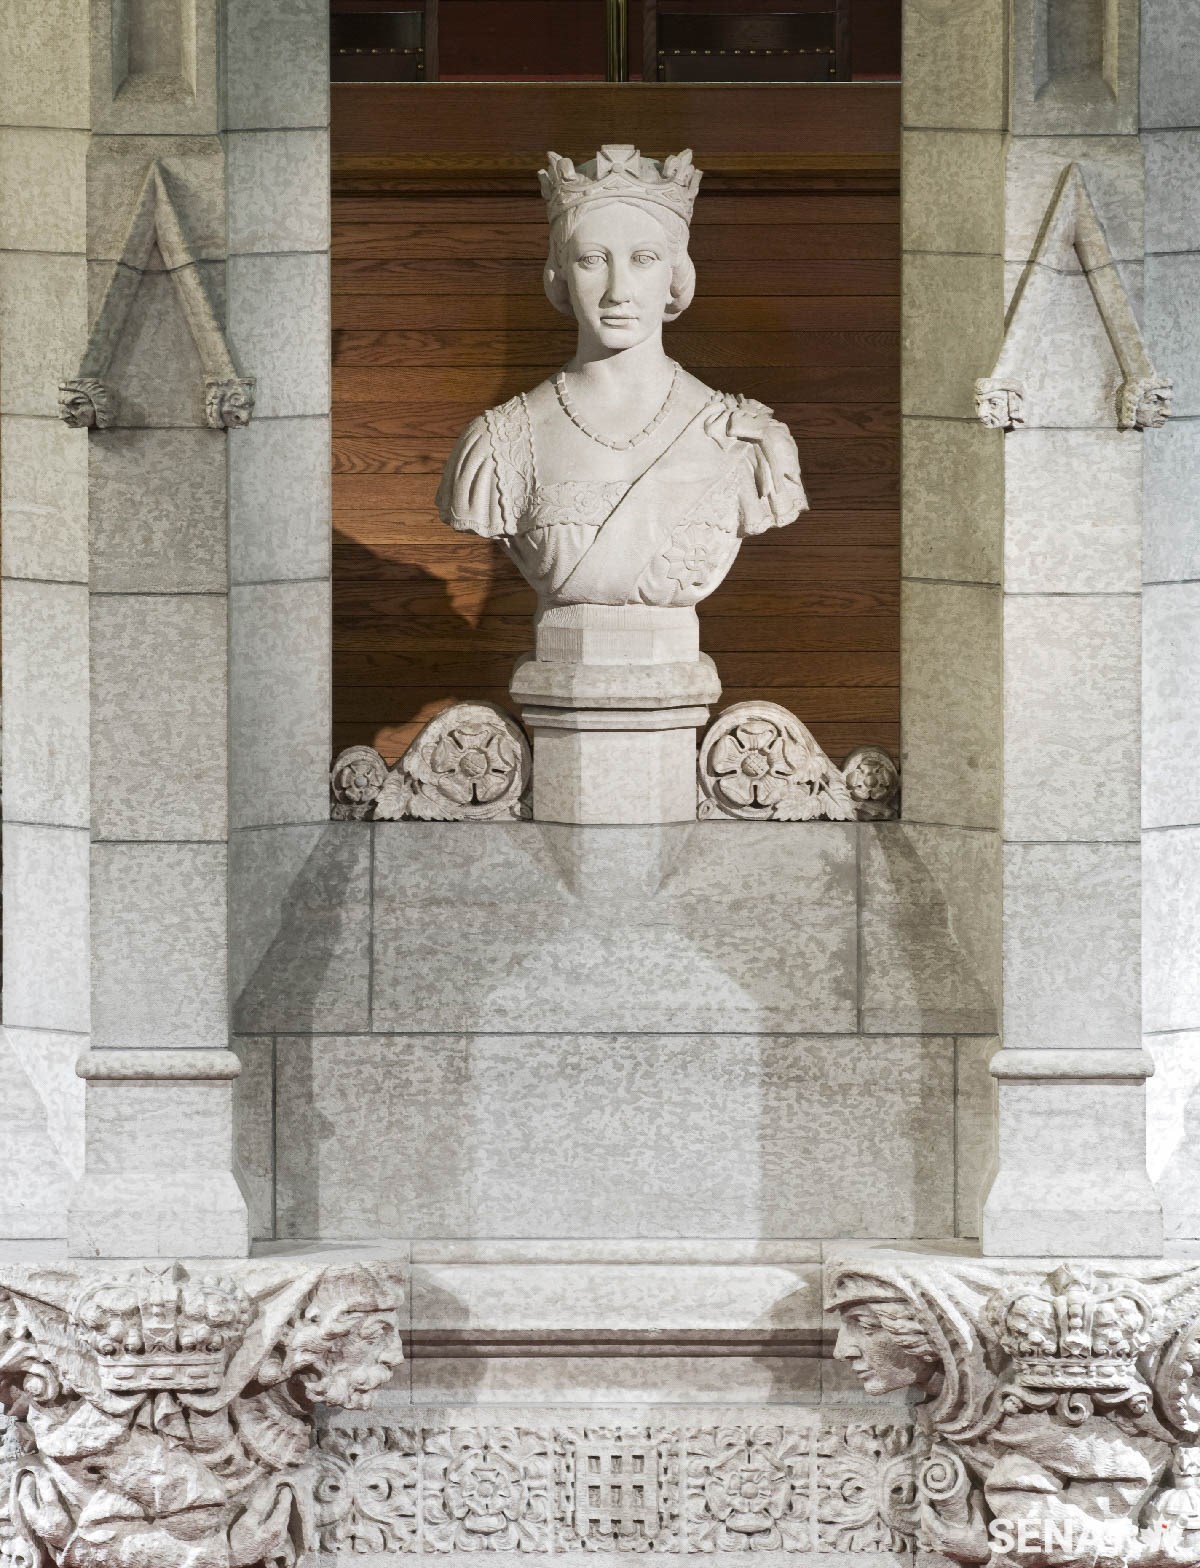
(772, 495)
(468, 497)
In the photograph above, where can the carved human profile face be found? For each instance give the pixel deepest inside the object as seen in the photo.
(886, 1355)
(618, 266)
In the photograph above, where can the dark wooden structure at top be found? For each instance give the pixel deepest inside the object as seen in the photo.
(759, 40)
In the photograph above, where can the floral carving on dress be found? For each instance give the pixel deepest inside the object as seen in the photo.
(512, 449)
(760, 763)
(866, 1488)
(747, 1490)
(873, 780)
(487, 1490)
(366, 1489)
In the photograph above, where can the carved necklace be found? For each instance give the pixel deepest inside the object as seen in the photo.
(572, 413)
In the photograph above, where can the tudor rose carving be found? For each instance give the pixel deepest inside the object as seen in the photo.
(1060, 1411)
(164, 1414)
(622, 489)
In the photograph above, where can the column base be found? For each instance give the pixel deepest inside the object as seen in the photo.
(614, 767)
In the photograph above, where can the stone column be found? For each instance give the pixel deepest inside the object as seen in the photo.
(1024, 244)
(167, 624)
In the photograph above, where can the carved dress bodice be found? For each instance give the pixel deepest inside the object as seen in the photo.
(719, 468)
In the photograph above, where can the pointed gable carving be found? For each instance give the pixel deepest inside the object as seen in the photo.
(1072, 232)
(87, 399)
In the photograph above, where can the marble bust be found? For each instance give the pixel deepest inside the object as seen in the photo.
(623, 479)
(622, 488)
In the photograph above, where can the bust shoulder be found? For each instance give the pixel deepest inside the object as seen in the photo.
(489, 476)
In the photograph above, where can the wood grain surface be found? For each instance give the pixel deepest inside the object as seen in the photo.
(439, 313)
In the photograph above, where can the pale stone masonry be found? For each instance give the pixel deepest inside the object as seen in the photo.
(636, 1175)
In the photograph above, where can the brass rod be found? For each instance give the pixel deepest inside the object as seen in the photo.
(616, 27)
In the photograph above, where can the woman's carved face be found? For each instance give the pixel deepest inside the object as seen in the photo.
(618, 271)
(876, 1354)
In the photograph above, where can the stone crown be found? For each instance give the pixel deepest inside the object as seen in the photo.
(1076, 1324)
(618, 171)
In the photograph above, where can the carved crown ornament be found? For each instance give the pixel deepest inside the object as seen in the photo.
(162, 1417)
(1072, 234)
(1059, 1411)
(757, 762)
(87, 400)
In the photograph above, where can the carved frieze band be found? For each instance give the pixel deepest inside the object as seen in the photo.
(757, 762)
(826, 1486)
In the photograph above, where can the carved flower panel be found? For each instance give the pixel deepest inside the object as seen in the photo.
(366, 1490)
(748, 1489)
(487, 1489)
(866, 1487)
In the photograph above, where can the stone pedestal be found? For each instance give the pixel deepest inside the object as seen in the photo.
(613, 697)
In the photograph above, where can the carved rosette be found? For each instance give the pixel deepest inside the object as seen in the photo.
(488, 1491)
(758, 762)
(1059, 1411)
(747, 1489)
(471, 763)
(873, 780)
(163, 1418)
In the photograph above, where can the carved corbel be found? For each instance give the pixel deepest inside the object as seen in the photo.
(86, 400)
(1072, 229)
(166, 1415)
(1060, 1409)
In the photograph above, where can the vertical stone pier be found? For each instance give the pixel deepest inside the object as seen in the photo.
(166, 556)
(1024, 234)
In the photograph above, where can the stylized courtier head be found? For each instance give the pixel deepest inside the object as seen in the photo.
(881, 1336)
(665, 191)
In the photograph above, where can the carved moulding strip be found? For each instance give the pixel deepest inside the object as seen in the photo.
(758, 762)
(86, 401)
(819, 1481)
(471, 763)
(162, 1417)
(1072, 228)
(1061, 1410)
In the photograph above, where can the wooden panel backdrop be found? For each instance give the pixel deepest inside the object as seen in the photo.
(438, 312)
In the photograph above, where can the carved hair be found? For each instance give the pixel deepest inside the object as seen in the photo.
(901, 1324)
(683, 272)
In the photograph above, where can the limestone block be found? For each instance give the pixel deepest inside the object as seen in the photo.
(194, 171)
(1172, 495)
(34, 1181)
(158, 699)
(531, 926)
(158, 511)
(300, 913)
(48, 1057)
(614, 776)
(1069, 372)
(46, 982)
(336, 1175)
(1173, 325)
(278, 191)
(955, 61)
(1072, 716)
(1074, 71)
(1073, 511)
(44, 475)
(953, 500)
(279, 327)
(622, 1380)
(709, 1136)
(930, 928)
(1170, 65)
(950, 639)
(154, 68)
(277, 64)
(1112, 170)
(953, 309)
(254, 1128)
(1173, 1130)
(42, 188)
(1171, 928)
(279, 702)
(158, 1213)
(1170, 711)
(45, 702)
(43, 308)
(1172, 173)
(44, 62)
(158, 945)
(279, 500)
(953, 192)
(974, 1129)
(1072, 951)
(156, 374)
(166, 1125)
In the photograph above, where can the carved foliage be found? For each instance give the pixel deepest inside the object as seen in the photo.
(166, 1415)
(866, 1487)
(758, 762)
(747, 1490)
(471, 763)
(366, 1490)
(488, 1490)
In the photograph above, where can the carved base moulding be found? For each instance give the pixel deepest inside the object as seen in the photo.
(756, 762)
